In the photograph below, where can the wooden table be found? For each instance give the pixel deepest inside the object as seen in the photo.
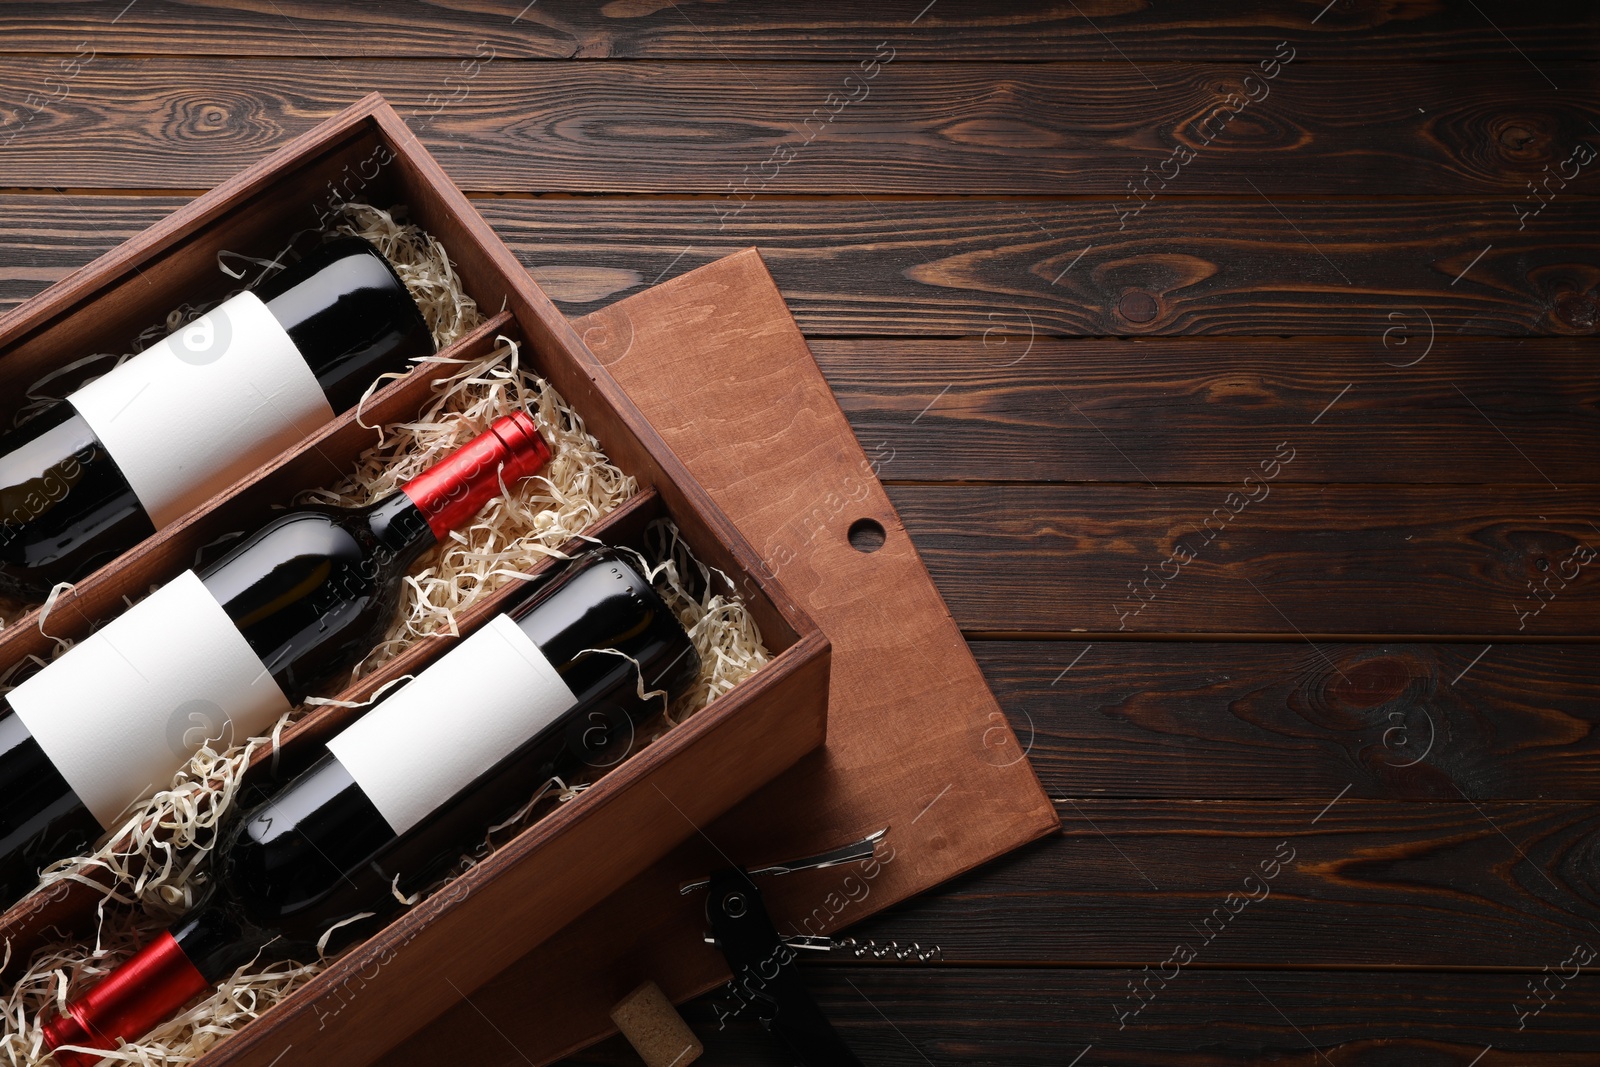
(1235, 383)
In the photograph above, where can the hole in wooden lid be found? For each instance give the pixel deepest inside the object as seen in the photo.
(866, 535)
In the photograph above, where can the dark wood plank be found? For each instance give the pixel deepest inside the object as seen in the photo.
(911, 1017)
(1188, 266)
(46, 238)
(1302, 559)
(509, 125)
(1195, 410)
(1040, 409)
(995, 268)
(1098, 31)
(1181, 719)
(1368, 884)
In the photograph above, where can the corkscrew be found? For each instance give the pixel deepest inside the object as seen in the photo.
(765, 978)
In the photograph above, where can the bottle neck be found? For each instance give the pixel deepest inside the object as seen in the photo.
(128, 1003)
(450, 493)
(153, 985)
(215, 939)
(400, 526)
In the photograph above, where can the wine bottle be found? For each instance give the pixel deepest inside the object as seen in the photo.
(217, 656)
(408, 788)
(132, 451)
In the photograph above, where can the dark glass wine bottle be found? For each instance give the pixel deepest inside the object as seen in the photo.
(525, 698)
(94, 474)
(218, 656)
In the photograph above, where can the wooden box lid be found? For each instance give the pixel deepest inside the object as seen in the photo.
(916, 741)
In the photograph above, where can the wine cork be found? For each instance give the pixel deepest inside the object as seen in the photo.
(655, 1029)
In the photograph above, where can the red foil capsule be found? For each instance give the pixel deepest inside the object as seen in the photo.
(451, 492)
(130, 1002)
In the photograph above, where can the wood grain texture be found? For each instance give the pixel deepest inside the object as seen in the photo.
(1243, 266)
(1317, 559)
(1419, 501)
(1368, 884)
(1017, 409)
(1183, 720)
(1380, 885)
(1034, 408)
(990, 269)
(1115, 32)
(911, 1017)
(895, 126)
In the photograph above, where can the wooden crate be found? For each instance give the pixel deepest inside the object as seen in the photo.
(558, 867)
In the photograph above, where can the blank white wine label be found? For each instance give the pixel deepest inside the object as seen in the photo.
(430, 739)
(188, 417)
(121, 712)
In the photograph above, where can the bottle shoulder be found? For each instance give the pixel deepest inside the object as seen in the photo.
(349, 314)
(603, 602)
(300, 857)
(310, 535)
